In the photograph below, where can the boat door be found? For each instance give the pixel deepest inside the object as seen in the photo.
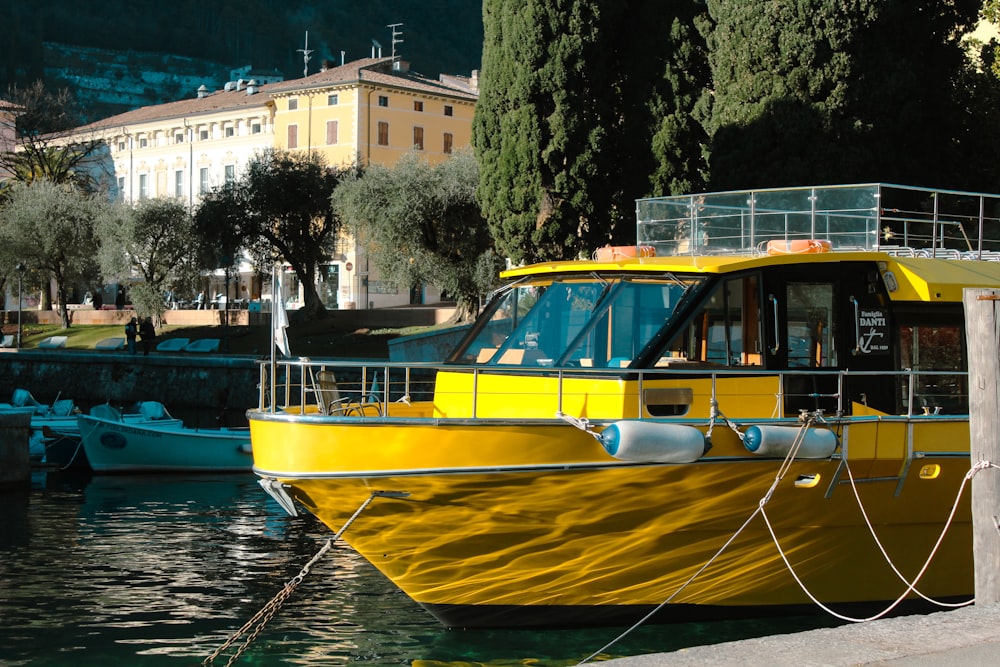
(826, 317)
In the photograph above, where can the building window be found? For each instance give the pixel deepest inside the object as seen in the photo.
(383, 100)
(230, 174)
(230, 131)
(121, 186)
(449, 141)
(332, 100)
(293, 136)
(143, 142)
(143, 186)
(255, 128)
(179, 138)
(179, 183)
(203, 135)
(331, 132)
(418, 105)
(121, 145)
(449, 110)
(418, 138)
(293, 104)
(203, 180)
(383, 133)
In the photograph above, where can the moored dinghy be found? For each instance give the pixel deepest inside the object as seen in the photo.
(607, 426)
(114, 445)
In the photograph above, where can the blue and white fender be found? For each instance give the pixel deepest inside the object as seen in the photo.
(653, 442)
(777, 441)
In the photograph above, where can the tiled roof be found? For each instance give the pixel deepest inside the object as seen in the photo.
(8, 106)
(372, 70)
(223, 100)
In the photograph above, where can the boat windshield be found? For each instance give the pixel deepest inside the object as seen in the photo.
(584, 321)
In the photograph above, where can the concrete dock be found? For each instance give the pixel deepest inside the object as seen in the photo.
(966, 637)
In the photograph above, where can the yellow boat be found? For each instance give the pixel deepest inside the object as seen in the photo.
(699, 426)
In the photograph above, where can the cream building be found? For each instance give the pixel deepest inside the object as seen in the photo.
(367, 111)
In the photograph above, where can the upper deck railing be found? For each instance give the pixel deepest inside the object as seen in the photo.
(876, 216)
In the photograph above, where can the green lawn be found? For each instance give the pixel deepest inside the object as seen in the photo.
(314, 338)
(81, 336)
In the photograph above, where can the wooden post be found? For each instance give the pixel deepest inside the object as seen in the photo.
(15, 467)
(982, 333)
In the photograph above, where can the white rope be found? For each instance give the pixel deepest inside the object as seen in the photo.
(910, 586)
(760, 507)
(581, 423)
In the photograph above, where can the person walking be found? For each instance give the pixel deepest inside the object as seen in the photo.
(148, 333)
(130, 332)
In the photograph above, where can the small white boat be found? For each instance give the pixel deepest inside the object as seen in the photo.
(61, 439)
(114, 445)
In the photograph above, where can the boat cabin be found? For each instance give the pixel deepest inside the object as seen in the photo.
(811, 282)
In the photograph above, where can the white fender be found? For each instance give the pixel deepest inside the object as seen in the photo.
(653, 442)
(770, 440)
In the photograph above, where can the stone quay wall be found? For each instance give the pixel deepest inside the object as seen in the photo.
(205, 391)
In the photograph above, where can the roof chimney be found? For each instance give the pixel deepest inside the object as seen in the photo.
(252, 87)
(202, 91)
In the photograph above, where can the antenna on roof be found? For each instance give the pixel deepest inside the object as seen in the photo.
(396, 39)
(305, 56)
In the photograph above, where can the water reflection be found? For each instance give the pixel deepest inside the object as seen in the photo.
(160, 570)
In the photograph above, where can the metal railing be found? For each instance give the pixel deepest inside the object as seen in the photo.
(366, 388)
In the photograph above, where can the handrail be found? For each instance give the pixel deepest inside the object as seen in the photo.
(406, 382)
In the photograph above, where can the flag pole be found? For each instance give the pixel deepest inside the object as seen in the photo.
(274, 364)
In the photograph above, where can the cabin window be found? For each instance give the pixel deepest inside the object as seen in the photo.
(932, 351)
(726, 331)
(583, 322)
(810, 326)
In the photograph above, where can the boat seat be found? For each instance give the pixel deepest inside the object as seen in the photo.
(328, 396)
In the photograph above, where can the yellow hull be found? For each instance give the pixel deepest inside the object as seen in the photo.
(522, 523)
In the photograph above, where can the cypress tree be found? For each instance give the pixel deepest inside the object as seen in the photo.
(826, 91)
(578, 115)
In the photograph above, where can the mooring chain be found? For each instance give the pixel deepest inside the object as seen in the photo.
(267, 612)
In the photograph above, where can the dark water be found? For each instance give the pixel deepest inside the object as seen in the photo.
(161, 570)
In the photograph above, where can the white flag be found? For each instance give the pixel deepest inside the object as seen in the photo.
(279, 317)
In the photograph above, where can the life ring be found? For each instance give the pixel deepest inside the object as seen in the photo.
(798, 246)
(610, 253)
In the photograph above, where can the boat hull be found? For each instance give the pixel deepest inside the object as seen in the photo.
(117, 447)
(533, 524)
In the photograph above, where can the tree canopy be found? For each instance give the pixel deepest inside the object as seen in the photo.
(421, 224)
(585, 106)
(824, 91)
(153, 241)
(278, 209)
(50, 228)
(44, 146)
(571, 96)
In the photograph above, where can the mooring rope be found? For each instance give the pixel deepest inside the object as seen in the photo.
(267, 612)
(807, 420)
(911, 586)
